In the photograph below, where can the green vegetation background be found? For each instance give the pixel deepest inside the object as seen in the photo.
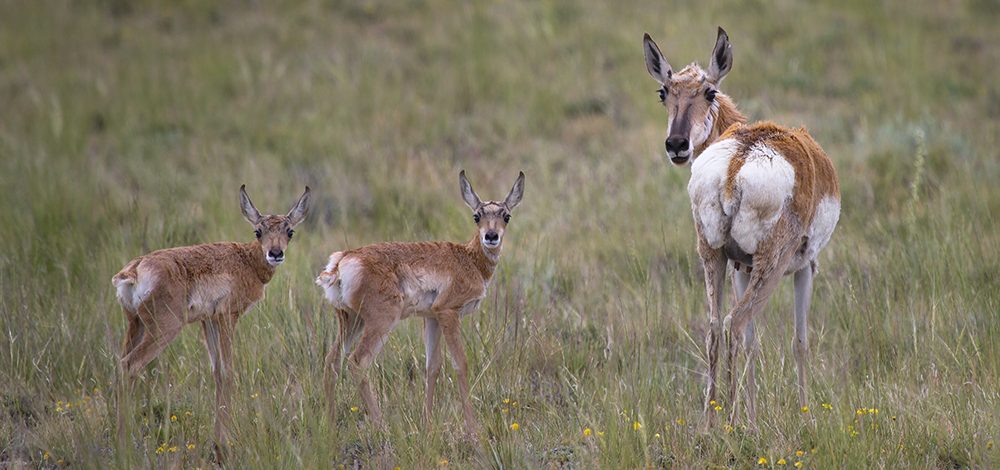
(129, 126)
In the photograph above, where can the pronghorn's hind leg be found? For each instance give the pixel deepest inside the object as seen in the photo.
(714, 262)
(770, 262)
(740, 281)
(800, 344)
(348, 329)
(379, 318)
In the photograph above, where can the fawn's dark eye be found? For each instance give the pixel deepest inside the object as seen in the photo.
(710, 94)
(290, 233)
(506, 218)
(257, 233)
(475, 217)
(663, 94)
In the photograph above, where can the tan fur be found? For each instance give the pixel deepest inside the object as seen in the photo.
(376, 286)
(162, 291)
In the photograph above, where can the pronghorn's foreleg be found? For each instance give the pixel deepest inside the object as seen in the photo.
(800, 345)
(769, 265)
(348, 329)
(714, 263)
(740, 281)
(451, 326)
(219, 333)
(432, 347)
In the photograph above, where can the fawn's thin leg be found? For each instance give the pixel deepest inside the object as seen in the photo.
(740, 281)
(452, 329)
(348, 329)
(219, 342)
(432, 347)
(800, 345)
(378, 324)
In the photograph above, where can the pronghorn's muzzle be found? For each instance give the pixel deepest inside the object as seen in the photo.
(678, 149)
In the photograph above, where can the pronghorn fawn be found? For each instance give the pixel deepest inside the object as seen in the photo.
(213, 284)
(373, 287)
(764, 197)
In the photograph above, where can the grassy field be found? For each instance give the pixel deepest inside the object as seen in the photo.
(129, 126)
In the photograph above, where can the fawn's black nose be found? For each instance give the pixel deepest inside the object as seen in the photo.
(676, 144)
(492, 236)
(276, 254)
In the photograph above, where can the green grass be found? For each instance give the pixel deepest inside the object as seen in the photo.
(127, 127)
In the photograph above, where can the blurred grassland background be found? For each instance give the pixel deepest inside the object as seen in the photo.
(129, 126)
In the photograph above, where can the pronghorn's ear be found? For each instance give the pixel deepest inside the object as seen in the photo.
(722, 58)
(468, 194)
(298, 212)
(246, 205)
(656, 64)
(516, 193)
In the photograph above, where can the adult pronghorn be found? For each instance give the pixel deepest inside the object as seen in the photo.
(214, 284)
(763, 196)
(376, 286)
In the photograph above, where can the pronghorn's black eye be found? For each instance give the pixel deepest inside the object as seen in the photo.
(290, 233)
(475, 217)
(257, 232)
(506, 218)
(663, 94)
(710, 94)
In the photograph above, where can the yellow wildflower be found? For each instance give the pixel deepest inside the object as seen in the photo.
(782, 461)
(798, 464)
(718, 407)
(727, 428)
(172, 449)
(514, 426)
(827, 406)
(679, 421)
(799, 453)
(355, 409)
(45, 456)
(187, 413)
(600, 433)
(506, 410)
(712, 403)
(190, 446)
(989, 445)
(159, 450)
(586, 432)
(254, 395)
(805, 409)
(173, 418)
(636, 426)
(762, 461)
(443, 462)
(657, 435)
(506, 401)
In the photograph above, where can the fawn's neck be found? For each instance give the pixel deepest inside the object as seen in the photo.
(253, 255)
(484, 258)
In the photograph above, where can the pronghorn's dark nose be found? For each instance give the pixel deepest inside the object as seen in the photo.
(677, 144)
(276, 254)
(491, 236)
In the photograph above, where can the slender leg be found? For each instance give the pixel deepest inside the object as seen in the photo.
(219, 342)
(123, 386)
(740, 282)
(714, 263)
(432, 346)
(803, 297)
(348, 329)
(770, 261)
(452, 328)
(378, 324)
(158, 332)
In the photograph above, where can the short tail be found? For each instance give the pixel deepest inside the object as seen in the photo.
(125, 282)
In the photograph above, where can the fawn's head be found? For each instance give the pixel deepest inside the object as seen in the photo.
(274, 231)
(491, 217)
(689, 96)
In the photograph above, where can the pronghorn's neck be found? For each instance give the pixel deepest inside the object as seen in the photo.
(253, 255)
(724, 114)
(485, 259)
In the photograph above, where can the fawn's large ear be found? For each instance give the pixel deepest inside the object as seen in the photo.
(722, 58)
(516, 193)
(468, 194)
(298, 212)
(246, 205)
(656, 64)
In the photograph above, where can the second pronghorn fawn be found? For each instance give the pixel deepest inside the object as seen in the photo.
(376, 286)
(213, 284)
(764, 197)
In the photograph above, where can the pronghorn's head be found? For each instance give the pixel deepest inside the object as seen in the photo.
(491, 217)
(689, 96)
(274, 231)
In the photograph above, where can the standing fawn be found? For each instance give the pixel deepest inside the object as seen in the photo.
(214, 284)
(376, 286)
(763, 196)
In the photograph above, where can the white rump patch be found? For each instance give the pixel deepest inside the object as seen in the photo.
(133, 290)
(823, 223)
(340, 280)
(708, 180)
(763, 185)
